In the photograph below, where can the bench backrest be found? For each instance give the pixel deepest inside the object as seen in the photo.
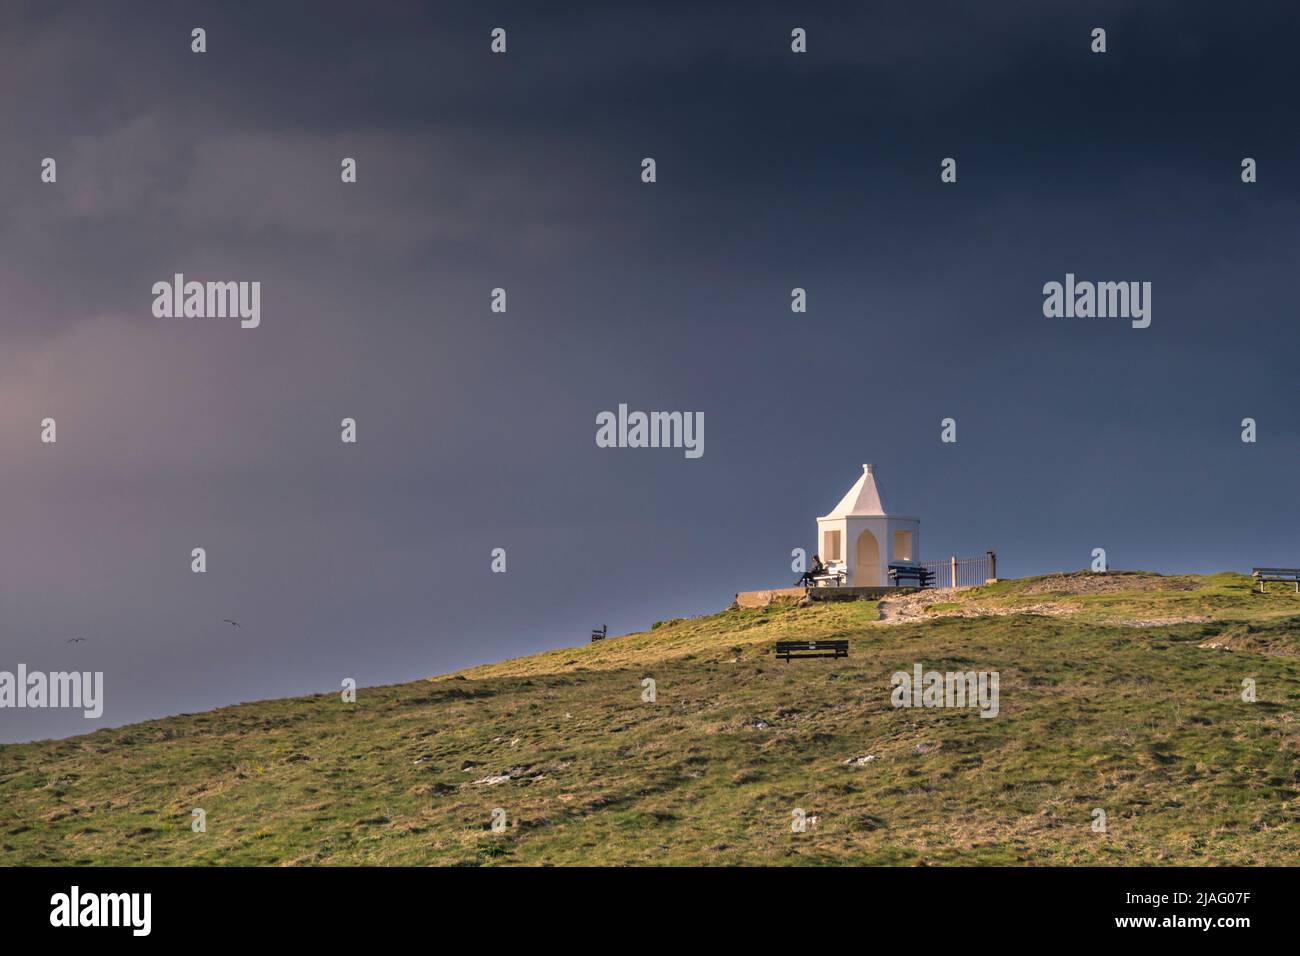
(789, 649)
(906, 572)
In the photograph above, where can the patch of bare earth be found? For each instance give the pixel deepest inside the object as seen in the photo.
(917, 607)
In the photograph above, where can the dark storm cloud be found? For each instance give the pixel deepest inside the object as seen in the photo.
(476, 431)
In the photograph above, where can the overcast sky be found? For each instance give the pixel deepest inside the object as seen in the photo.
(477, 430)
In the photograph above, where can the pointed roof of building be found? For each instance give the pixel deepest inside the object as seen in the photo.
(862, 499)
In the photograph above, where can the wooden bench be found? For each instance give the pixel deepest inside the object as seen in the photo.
(1276, 574)
(923, 577)
(599, 633)
(792, 650)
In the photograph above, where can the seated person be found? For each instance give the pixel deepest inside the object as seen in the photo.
(816, 569)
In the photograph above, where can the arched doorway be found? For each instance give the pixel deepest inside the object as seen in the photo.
(866, 567)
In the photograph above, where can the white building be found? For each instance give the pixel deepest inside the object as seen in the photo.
(859, 534)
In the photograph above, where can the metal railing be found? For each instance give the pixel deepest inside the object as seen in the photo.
(957, 572)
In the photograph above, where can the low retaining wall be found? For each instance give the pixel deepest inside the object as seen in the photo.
(747, 599)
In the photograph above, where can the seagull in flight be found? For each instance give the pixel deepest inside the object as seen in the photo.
(226, 620)
(75, 640)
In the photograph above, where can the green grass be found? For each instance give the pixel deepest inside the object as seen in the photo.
(1143, 722)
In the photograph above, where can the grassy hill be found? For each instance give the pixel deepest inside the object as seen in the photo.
(1119, 691)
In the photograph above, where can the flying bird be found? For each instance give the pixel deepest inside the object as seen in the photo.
(226, 620)
(75, 640)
